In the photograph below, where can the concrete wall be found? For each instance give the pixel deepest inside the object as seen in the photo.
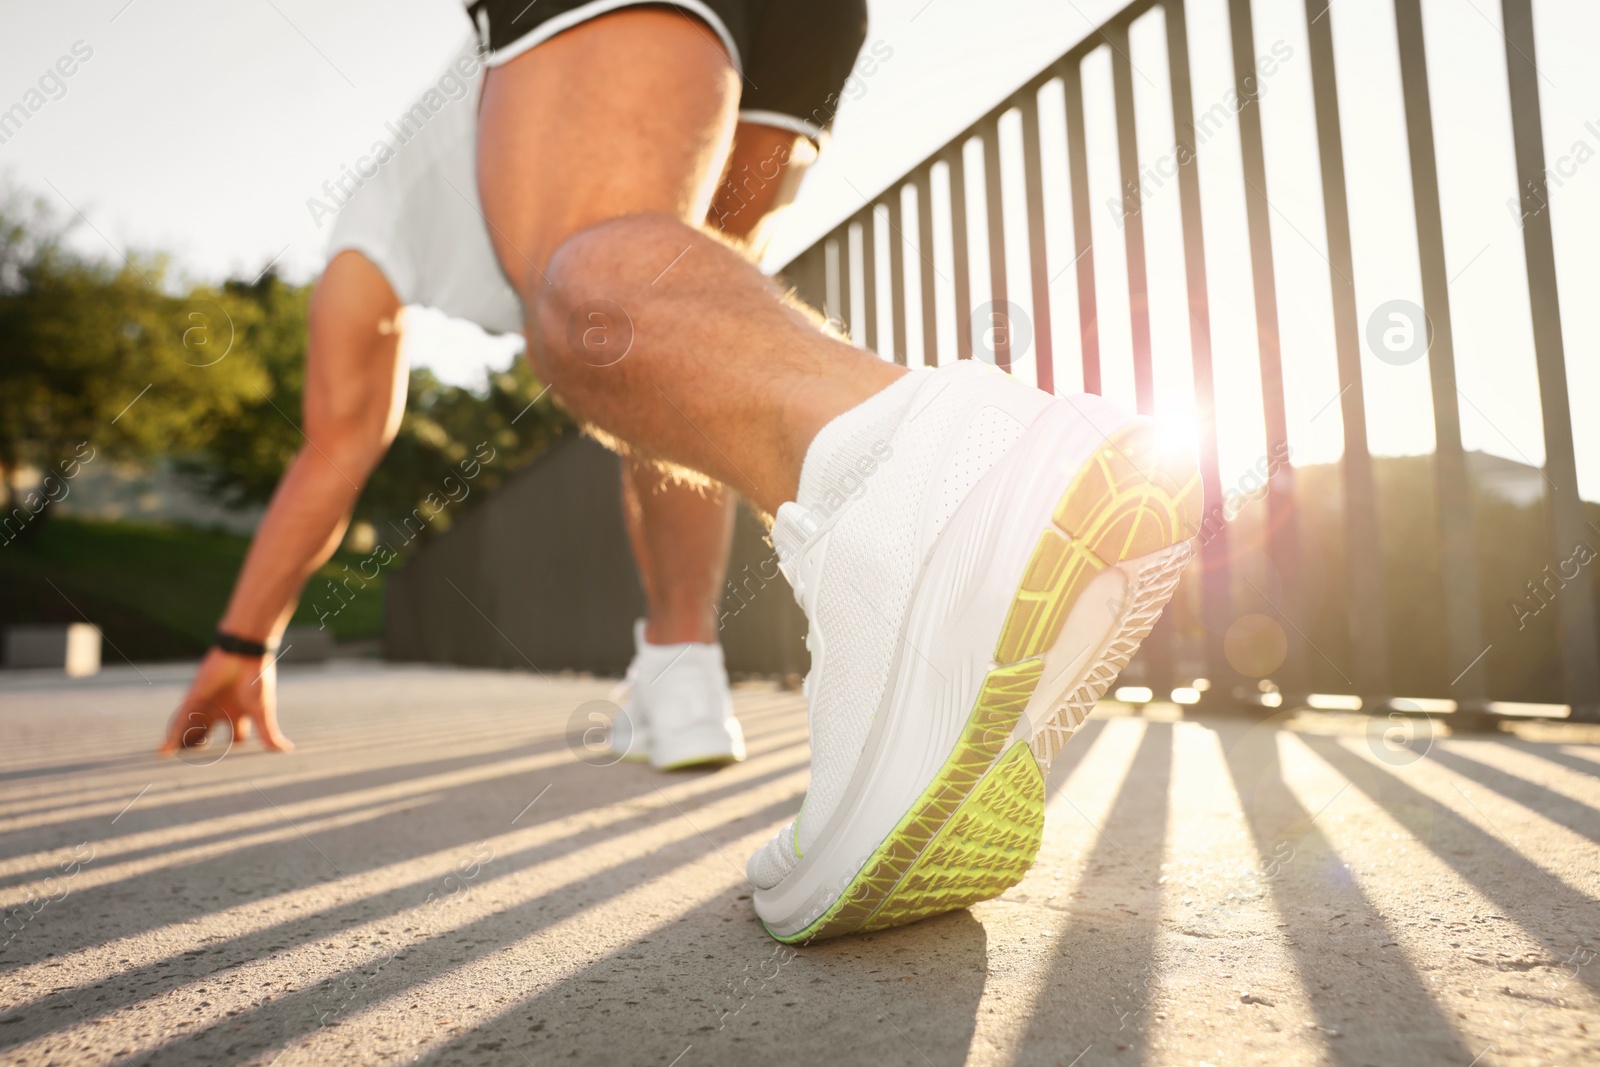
(540, 574)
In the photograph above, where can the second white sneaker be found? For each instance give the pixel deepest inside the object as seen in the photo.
(679, 709)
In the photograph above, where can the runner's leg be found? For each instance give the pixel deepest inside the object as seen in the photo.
(720, 375)
(681, 533)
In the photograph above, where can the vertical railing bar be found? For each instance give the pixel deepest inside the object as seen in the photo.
(1082, 227)
(1462, 609)
(807, 275)
(1283, 535)
(1132, 217)
(930, 303)
(1368, 622)
(832, 295)
(1575, 606)
(869, 276)
(897, 272)
(999, 325)
(830, 273)
(1216, 583)
(846, 299)
(1156, 655)
(1038, 258)
(958, 245)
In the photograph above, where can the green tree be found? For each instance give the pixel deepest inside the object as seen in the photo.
(443, 426)
(240, 460)
(98, 360)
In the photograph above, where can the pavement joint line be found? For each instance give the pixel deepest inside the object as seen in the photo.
(532, 802)
(131, 803)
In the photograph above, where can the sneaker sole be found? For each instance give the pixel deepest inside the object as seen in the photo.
(721, 759)
(974, 832)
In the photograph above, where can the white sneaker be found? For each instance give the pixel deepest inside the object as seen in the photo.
(970, 596)
(679, 708)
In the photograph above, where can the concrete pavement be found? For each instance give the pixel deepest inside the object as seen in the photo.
(443, 873)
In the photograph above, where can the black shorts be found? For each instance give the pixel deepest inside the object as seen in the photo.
(795, 55)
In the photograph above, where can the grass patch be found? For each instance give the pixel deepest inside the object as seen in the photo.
(176, 577)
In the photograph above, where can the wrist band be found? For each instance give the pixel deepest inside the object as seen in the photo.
(239, 646)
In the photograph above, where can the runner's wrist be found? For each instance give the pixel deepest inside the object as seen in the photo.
(245, 645)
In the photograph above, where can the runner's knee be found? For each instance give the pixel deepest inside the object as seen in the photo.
(598, 281)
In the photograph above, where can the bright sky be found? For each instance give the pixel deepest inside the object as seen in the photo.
(201, 129)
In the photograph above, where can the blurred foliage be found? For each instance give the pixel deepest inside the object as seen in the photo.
(445, 427)
(240, 461)
(96, 353)
(215, 376)
(155, 590)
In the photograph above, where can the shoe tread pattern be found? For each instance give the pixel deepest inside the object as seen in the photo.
(976, 829)
(1004, 695)
(1136, 495)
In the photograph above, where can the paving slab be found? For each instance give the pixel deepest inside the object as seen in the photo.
(443, 873)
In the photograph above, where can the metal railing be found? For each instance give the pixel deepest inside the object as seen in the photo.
(1180, 651)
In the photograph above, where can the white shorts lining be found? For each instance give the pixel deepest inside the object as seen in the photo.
(784, 121)
(595, 8)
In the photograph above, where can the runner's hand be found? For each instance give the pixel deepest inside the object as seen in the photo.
(241, 690)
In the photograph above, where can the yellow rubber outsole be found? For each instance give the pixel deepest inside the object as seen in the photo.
(976, 829)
